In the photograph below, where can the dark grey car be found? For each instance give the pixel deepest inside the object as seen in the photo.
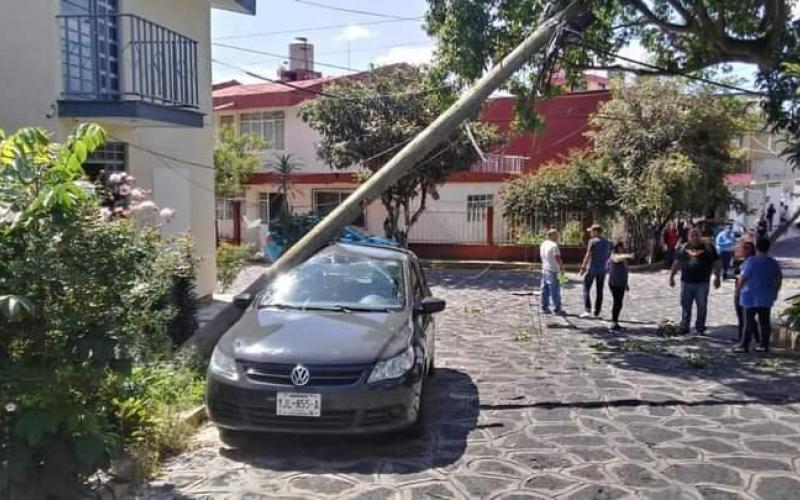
(342, 343)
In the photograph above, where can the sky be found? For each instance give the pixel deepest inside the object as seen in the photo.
(370, 39)
(355, 41)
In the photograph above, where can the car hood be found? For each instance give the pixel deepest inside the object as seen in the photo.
(317, 337)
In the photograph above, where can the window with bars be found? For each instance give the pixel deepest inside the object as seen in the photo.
(269, 206)
(477, 205)
(109, 158)
(269, 125)
(224, 209)
(326, 201)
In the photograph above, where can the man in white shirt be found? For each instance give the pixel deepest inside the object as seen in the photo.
(551, 267)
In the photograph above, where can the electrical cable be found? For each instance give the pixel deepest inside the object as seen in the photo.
(350, 11)
(317, 28)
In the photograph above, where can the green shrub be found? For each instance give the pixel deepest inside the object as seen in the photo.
(791, 316)
(572, 234)
(231, 259)
(85, 299)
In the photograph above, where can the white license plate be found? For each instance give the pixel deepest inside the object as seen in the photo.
(293, 404)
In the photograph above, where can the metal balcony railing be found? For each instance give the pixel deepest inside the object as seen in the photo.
(501, 164)
(108, 57)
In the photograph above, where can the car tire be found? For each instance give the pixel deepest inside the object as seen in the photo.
(234, 439)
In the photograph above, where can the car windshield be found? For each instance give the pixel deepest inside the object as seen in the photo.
(338, 279)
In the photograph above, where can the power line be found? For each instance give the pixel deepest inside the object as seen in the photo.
(317, 28)
(351, 11)
(281, 56)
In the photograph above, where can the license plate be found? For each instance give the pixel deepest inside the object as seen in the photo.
(293, 404)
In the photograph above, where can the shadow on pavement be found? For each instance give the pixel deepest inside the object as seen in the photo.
(450, 414)
(751, 378)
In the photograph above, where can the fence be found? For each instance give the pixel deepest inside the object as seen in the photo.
(500, 164)
(487, 226)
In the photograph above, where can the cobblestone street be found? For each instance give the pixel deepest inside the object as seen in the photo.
(524, 406)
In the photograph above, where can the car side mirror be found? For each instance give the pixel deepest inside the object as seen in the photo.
(242, 301)
(430, 305)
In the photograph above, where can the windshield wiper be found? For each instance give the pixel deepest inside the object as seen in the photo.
(335, 308)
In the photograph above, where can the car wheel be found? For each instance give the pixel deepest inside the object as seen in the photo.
(234, 439)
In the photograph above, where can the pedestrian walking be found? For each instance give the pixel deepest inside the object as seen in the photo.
(618, 281)
(748, 250)
(761, 228)
(683, 231)
(670, 239)
(594, 266)
(725, 244)
(758, 285)
(696, 261)
(784, 212)
(770, 216)
(552, 266)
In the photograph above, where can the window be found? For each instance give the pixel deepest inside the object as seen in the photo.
(326, 201)
(265, 124)
(224, 209)
(269, 206)
(225, 121)
(602, 86)
(108, 158)
(476, 206)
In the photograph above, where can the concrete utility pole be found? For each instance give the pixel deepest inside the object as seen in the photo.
(330, 227)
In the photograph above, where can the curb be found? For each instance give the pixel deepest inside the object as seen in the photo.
(518, 266)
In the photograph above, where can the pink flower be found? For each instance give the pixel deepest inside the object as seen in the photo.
(167, 214)
(138, 194)
(105, 214)
(116, 177)
(124, 190)
(146, 206)
(130, 179)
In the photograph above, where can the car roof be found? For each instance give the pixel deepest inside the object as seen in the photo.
(373, 250)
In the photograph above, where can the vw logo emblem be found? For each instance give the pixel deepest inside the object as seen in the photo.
(300, 375)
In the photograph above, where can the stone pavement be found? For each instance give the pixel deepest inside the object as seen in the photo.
(525, 406)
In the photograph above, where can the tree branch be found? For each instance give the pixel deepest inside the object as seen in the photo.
(418, 213)
(687, 16)
(628, 69)
(665, 25)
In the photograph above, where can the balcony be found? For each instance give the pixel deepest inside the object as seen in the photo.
(124, 66)
(500, 164)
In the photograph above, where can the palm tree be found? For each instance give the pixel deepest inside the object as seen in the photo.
(285, 166)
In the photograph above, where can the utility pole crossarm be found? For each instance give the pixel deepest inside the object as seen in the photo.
(330, 227)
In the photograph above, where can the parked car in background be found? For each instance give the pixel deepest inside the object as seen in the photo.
(342, 343)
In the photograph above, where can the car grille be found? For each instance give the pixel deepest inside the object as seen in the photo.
(381, 416)
(321, 376)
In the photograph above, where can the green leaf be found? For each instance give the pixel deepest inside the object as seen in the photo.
(13, 305)
(33, 425)
(81, 151)
(90, 449)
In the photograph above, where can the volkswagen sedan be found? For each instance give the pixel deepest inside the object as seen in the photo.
(342, 343)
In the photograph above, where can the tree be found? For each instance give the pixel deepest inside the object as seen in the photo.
(285, 166)
(659, 151)
(235, 159)
(681, 35)
(362, 122)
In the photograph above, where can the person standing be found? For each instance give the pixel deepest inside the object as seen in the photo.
(618, 281)
(748, 250)
(725, 244)
(758, 286)
(683, 231)
(594, 266)
(784, 212)
(696, 261)
(552, 265)
(670, 239)
(770, 216)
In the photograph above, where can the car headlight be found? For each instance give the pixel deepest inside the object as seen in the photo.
(394, 367)
(223, 365)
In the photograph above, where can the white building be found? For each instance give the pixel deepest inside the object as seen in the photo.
(139, 68)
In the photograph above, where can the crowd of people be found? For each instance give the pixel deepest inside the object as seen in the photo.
(701, 263)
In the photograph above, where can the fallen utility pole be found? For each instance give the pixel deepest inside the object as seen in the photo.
(331, 226)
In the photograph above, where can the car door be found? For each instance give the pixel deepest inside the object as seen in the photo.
(424, 323)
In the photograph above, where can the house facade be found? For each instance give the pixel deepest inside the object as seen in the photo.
(764, 176)
(464, 214)
(142, 70)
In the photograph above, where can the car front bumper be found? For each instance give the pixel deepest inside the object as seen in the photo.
(357, 409)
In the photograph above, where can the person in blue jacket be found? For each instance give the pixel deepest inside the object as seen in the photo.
(725, 244)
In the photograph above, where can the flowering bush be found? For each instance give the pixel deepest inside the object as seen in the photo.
(85, 296)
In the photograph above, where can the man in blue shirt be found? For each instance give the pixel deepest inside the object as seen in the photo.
(725, 243)
(595, 264)
(758, 285)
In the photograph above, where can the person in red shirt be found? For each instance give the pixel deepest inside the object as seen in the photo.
(670, 242)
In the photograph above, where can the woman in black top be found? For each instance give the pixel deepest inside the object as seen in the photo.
(618, 281)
